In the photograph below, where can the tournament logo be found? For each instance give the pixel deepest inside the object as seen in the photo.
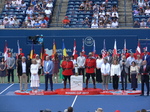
(88, 41)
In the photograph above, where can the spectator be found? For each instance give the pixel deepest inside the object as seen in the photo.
(136, 24)
(23, 5)
(142, 24)
(114, 24)
(108, 24)
(48, 11)
(101, 25)
(148, 23)
(102, 7)
(70, 109)
(136, 11)
(95, 8)
(86, 21)
(5, 21)
(141, 3)
(49, 4)
(99, 110)
(147, 11)
(16, 22)
(94, 25)
(115, 17)
(114, 13)
(66, 21)
(82, 6)
(29, 11)
(46, 18)
(11, 21)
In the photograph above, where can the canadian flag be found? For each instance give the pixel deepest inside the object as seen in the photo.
(74, 48)
(115, 49)
(138, 49)
(83, 46)
(5, 51)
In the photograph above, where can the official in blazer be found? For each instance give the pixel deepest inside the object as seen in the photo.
(146, 57)
(144, 71)
(48, 72)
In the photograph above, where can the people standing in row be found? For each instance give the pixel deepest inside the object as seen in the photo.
(124, 72)
(144, 71)
(99, 63)
(90, 65)
(105, 70)
(2, 70)
(130, 59)
(48, 72)
(10, 67)
(81, 62)
(22, 70)
(133, 75)
(67, 67)
(56, 68)
(115, 73)
(34, 75)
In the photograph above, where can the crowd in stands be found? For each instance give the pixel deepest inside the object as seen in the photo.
(92, 14)
(141, 13)
(27, 13)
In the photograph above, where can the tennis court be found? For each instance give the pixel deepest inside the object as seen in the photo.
(9, 102)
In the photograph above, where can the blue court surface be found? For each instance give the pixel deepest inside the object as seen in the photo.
(9, 102)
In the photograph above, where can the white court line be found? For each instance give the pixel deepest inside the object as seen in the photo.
(74, 100)
(6, 89)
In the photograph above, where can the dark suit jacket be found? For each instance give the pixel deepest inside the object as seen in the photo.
(147, 59)
(28, 65)
(20, 68)
(147, 70)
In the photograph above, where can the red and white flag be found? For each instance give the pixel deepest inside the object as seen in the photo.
(115, 49)
(5, 51)
(125, 48)
(94, 48)
(74, 48)
(83, 46)
(18, 47)
(138, 49)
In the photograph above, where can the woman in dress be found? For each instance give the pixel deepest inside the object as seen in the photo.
(56, 68)
(38, 61)
(134, 74)
(61, 70)
(139, 63)
(2, 70)
(115, 73)
(34, 75)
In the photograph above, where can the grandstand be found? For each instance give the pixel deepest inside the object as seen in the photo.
(81, 14)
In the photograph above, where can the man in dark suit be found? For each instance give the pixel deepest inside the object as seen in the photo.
(146, 57)
(22, 72)
(144, 71)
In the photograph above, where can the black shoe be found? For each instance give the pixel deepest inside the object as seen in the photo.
(142, 95)
(94, 87)
(147, 94)
(86, 87)
(45, 89)
(64, 87)
(134, 89)
(122, 89)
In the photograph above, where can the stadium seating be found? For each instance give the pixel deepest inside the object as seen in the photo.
(77, 16)
(13, 9)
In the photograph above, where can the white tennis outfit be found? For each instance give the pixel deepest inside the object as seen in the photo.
(34, 78)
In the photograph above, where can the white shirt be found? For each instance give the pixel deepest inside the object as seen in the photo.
(143, 24)
(23, 67)
(49, 5)
(99, 63)
(38, 62)
(94, 25)
(147, 11)
(130, 60)
(34, 69)
(105, 68)
(48, 11)
(115, 70)
(74, 62)
(114, 24)
(30, 12)
(113, 14)
(81, 61)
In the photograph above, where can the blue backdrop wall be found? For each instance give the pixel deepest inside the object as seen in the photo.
(131, 36)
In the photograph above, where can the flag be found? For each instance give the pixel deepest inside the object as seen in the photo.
(54, 48)
(32, 52)
(18, 47)
(74, 48)
(104, 52)
(42, 54)
(5, 51)
(115, 49)
(94, 48)
(125, 48)
(138, 49)
(83, 46)
(64, 49)
(145, 48)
